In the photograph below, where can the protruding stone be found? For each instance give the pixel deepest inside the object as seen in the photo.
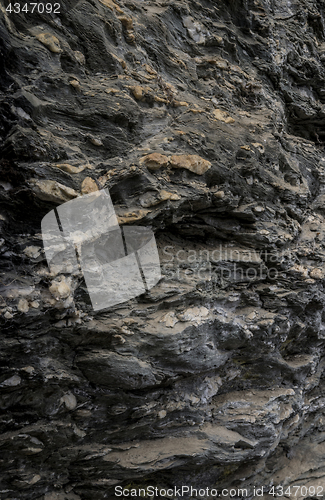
(52, 191)
(194, 163)
(69, 400)
(317, 273)
(95, 141)
(258, 146)
(60, 288)
(12, 381)
(178, 104)
(223, 116)
(50, 41)
(169, 319)
(32, 252)
(75, 84)
(166, 195)
(152, 199)
(88, 186)
(154, 161)
(194, 314)
(137, 92)
(127, 22)
(79, 57)
(23, 306)
(127, 217)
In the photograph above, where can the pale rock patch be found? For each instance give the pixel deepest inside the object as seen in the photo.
(194, 163)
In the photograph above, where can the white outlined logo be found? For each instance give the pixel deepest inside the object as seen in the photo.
(118, 263)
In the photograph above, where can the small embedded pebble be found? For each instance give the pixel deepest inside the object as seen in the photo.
(95, 142)
(69, 400)
(12, 381)
(317, 273)
(75, 84)
(60, 289)
(23, 306)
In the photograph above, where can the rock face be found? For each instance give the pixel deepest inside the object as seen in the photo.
(205, 122)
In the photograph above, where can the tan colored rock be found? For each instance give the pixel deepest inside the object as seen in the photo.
(169, 319)
(23, 306)
(223, 116)
(166, 195)
(70, 169)
(137, 92)
(88, 186)
(112, 91)
(50, 41)
(150, 70)
(80, 57)
(52, 191)
(32, 252)
(222, 64)
(317, 273)
(104, 178)
(160, 99)
(154, 161)
(127, 22)
(194, 314)
(95, 141)
(75, 84)
(60, 288)
(258, 146)
(194, 163)
(178, 104)
(154, 198)
(112, 5)
(132, 216)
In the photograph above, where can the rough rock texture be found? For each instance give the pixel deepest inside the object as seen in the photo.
(206, 121)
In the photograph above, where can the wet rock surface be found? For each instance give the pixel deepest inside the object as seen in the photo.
(205, 122)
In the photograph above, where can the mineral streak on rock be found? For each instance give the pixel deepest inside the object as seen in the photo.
(205, 121)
